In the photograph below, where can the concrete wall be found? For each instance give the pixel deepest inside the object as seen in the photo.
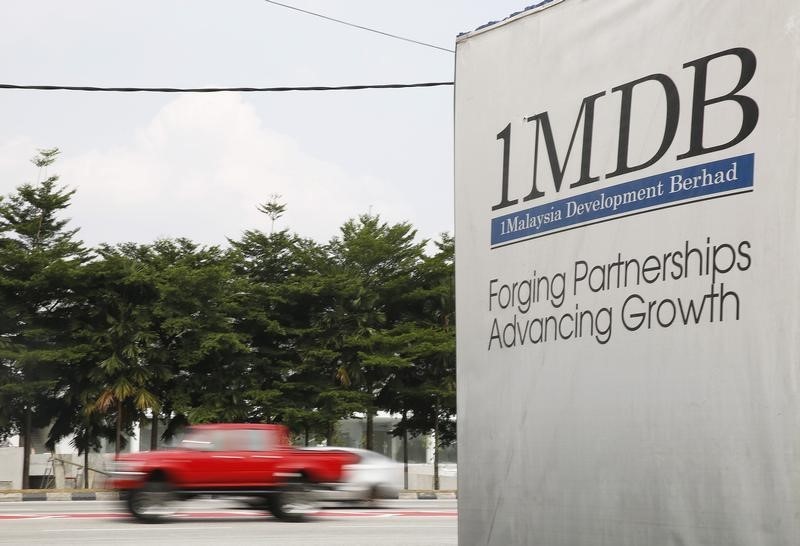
(420, 476)
(68, 470)
(10, 468)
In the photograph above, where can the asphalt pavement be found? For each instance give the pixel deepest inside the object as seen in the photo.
(222, 521)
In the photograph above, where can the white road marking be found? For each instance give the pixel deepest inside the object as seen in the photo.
(136, 529)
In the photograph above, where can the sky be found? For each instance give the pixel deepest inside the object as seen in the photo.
(148, 166)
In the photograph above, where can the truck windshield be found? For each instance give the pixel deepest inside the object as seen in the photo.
(198, 440)
(231, 439)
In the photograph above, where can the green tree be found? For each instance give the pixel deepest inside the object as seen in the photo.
(74, 414)
(277, 300)
(122, 296)
(425, 392)
(362, 324)
(39, 262)
(167, 327)
(196, 342)
(274, 209)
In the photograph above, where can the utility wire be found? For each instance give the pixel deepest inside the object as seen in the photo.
(359, 26)
(220, 89)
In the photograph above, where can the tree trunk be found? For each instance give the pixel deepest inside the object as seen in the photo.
(118, 437)
(154, 433)
(436, 450)
(370, 427)
(26, 449)
(405, 451)
(306, 430)
(329, 434)
(86, 466)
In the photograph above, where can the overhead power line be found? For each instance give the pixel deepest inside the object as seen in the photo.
(220, 89)
(368, 29)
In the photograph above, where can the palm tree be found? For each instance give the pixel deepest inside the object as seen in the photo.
(124, 294)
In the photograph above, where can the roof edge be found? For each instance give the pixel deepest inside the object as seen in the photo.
(533, 8)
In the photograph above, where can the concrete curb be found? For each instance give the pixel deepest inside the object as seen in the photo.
(89, 495)
(427, 495)
(58, 496)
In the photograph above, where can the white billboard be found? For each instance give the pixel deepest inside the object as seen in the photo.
(627, 242)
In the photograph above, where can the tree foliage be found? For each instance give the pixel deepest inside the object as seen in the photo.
(272, 328)
(39, 262)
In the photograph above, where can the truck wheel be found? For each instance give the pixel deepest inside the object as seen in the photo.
(295, 502)
(154, 502)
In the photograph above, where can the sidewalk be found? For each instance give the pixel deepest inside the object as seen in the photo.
(111, 495)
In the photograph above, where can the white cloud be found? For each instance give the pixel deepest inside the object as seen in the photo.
(199, 168)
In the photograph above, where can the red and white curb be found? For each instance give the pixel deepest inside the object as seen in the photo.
(114, 495)
(238, 514)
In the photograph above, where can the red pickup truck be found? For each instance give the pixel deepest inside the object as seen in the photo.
(242, 460)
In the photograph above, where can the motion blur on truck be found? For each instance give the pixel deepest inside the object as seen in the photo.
(252, 462)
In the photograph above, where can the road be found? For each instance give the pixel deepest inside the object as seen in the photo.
(209, 521)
